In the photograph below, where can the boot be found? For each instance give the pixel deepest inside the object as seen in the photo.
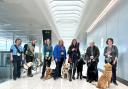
(70, 75)
(42, 77)
(77, 75)
(81, 76)
(73, 77)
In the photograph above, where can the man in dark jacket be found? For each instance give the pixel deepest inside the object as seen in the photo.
(92, 54)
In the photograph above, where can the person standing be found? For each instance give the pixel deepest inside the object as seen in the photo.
(16, 57)
(48, 52)
(29, 55)
(59, 57)
(111, 56)
(74, 57)
(92, 54)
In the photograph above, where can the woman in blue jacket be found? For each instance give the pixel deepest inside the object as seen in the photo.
(59, 57)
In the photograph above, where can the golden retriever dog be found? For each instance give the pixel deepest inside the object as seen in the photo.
(105, 80)
(27, 65)
(48, 73)
(65, 70)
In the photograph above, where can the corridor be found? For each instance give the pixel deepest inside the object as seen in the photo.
(41, 31)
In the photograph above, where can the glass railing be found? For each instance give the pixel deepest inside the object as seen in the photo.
(5, 66)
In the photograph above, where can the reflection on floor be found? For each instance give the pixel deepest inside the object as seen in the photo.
(36, 83)
(2, 80)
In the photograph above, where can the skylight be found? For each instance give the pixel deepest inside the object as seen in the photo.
(66, 16)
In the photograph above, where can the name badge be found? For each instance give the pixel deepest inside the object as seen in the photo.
(18, 54)
(62, 53)
(47, 54)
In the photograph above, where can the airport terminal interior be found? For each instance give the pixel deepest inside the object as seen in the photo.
(63, 21)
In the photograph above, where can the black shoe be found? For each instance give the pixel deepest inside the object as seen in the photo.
(115, 83)
(55, 78)
(41, 77)
(60, 76)
(14, 78)
(30, 75)
(90, 81)
(70, 80)
(18, 77)
(77, 77)
(87, 80)
(81, 77)
(73, 78)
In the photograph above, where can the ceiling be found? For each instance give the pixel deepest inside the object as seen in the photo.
(22, 17)
(67, 19)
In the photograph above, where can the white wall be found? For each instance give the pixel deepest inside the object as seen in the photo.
(115, 25)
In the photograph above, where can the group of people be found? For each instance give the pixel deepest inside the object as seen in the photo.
(19, 54)
(59, 55)
(92, 56)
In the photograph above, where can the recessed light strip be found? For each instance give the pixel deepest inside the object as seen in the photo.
(104, 12)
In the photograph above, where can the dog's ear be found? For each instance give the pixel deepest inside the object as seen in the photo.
(64, 65)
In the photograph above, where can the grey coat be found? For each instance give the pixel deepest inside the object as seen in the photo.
(114, 52)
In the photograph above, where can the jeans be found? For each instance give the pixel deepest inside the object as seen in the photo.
(73, 66)
(58, 68)
(16, 66)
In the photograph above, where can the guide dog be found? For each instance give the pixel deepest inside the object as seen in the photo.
(49, 73)
(105, 79)
(65, 71)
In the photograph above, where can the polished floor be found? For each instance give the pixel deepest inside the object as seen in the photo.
(36, 83)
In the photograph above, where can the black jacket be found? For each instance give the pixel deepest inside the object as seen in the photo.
(77, 51)
(96, 53)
